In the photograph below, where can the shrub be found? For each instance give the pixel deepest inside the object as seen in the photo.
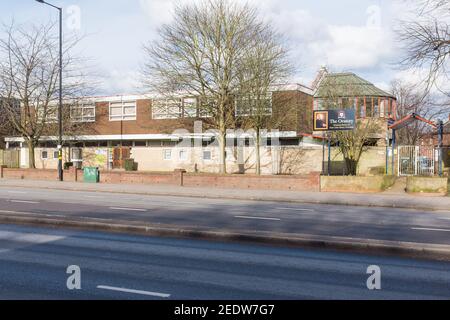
(67, 165)
(130, 165)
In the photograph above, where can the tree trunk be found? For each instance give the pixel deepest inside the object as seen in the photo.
(258, 151)
(222, 152)
(31, 159)
(352, 166)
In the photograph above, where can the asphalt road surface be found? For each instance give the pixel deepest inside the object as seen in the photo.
(33, 264)
(235, 215)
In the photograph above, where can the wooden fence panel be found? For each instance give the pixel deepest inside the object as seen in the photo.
(10, 158)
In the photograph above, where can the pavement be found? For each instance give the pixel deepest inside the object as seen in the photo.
(416, 201)
(33, 264)
(373, 230)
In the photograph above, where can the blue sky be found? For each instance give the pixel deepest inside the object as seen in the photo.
(345, 35)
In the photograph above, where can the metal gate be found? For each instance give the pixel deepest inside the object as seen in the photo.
(416, 160)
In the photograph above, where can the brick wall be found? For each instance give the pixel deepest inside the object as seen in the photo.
(309, 182)
(137, 177)
(297, 103)
(40, 174)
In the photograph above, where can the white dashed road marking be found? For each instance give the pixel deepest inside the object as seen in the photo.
(146, 293)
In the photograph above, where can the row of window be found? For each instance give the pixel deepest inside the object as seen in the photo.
(167, 155)
(365, 106)
(174, 108)
(45, 155)
(183, 155)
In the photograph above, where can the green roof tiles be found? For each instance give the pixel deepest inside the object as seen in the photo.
(347, 85)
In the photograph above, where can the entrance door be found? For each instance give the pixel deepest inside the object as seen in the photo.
(119, 155)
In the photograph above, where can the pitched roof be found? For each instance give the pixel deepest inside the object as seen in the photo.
(347, 85)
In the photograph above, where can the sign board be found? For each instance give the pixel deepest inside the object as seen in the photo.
(334, 120)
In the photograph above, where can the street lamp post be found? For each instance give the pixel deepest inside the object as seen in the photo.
(60, 129)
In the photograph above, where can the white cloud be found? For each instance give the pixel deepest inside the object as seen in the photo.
(160, 11)
(120, 81)
(315, 41)
(353, 47)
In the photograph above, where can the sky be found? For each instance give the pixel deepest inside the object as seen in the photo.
(345, 35)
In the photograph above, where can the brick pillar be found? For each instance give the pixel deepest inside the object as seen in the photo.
(1, 171)
(178, 176)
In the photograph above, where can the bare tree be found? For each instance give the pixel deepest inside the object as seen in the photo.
(412, 99)
(29, 73)
(264, 67)
(353, 143)
(6, 127)
(426, 40)
(201, 53)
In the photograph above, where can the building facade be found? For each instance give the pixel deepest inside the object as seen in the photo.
(162, 134)
(349, 91)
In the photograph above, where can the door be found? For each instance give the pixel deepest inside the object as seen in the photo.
(120, 154)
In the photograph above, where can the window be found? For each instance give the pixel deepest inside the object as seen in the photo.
(361, 113)
(44, 155)
(206, 155)
(55, 154)
(206, 105)
(182, 155)
(82, 113)
(384, 107)
(369, 107)
(376, 107)
(190, 107)
(140, 143)
(50, 113)
(319, 104)
(126, 143)
(167, 154)
(348, 103)
(166, 108)
(122, 111)
(254, 105)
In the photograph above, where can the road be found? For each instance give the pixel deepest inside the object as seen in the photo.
(218, 214)
(33, 263)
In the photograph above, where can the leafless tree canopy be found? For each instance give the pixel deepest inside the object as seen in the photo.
(412, 99)
(29, 76)
(207, 51)
(426, 39)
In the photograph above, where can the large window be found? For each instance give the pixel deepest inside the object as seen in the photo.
(174, 108)
(206, 105)
(50, 113)
(125, 110)
(252, 105)
(166, 108)
(82, 113)
(190, 107)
